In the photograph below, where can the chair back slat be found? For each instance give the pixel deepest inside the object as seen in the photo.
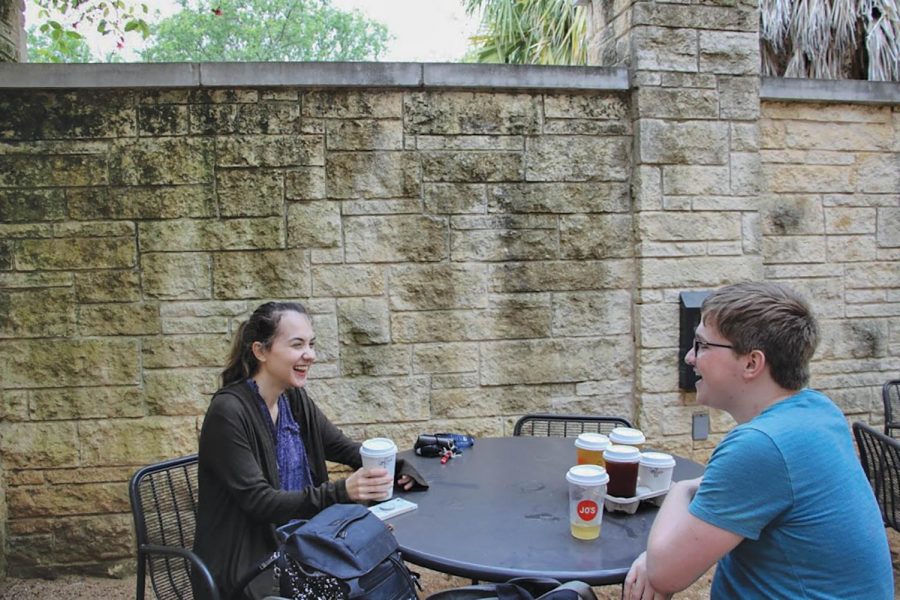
(890, 395)
(549, 425)
(880, 458)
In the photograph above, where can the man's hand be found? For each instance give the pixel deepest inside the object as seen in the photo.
(369, 484)
(406, 482)
(637, 585)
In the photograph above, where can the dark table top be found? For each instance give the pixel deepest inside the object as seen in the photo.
(500, 510)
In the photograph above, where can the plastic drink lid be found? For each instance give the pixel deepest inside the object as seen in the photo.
(378, 447)
(587, 475)
(592, 441)
(627, 435)
(657, 459)
(622, 453)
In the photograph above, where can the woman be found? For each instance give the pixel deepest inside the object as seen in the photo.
(263, 448)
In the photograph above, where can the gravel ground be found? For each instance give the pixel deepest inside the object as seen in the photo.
(95, 588)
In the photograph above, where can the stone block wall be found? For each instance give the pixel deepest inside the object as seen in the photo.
(12, 41)
(467, 257)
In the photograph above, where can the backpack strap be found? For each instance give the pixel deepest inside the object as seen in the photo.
(572, 590)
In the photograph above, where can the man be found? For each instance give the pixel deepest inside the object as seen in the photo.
(783, 507)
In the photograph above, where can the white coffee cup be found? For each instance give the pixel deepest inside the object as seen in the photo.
(627, 436)
(655, 471)
(380, 452)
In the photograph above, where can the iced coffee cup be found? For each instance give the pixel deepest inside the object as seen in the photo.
(587, 488)
(589, 448)
(627, 436)
(655, 471)
(622, 466)
(380, 452)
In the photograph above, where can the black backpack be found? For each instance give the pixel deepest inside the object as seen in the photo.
(344, 552)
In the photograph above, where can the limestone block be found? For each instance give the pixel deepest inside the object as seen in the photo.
(13, 405)
(493, 401)
(592, 313)
(399, 206)
(36, 115)
(683, 142)
(172, 351)
(647, 188)
(595, 236)
(180, 391)
(872, 275)
(744, 137)
(176, 275)
(657, 325)
(305, 183)
(848, 137)
(136, 441)
(438, 286)
(730, 52)
(745, 173)
(670, 249)
(36, 502)
(468, 325)
(444, 198)
(395, 239)
(374, 361)
(798, 248)
(751, 233)
(454, 380)
(249, 193)
(472, 166)
(828, 113)
(445, 358)
(248, 117)
(272, 273)
(558, 197)
(352, 105)
(677, 103)
(548, 276)
(364, 134)
(87, 403)
(591, 106)
(315, 224)
(577, 158)
(327, 340)
(381, 174)
(372, 400)
(861, 400)
(42, 312)
(700, 271)
(162, 119)
(467, 113)
(32, 279)
(76, 253)
(850, 248)
(657, 370)
(888, 233)
(229, 309)
(555, 360)
(364, 321)
(197, 234)
(878, 173)
(161, 161)
(157, 202)
(844, 339)
(270, 150)
(739, 98)
(695, 180)
(586, 127)
(93, 229)
(468, 142)
(6, 255)
(39, 445)
(807, 178)
(117, 318)
(488, 245)
(348, 280)
(92, 538)
(664, 49)
(20, 206)
(791, 214)
(847, 220)
(52, 170)
(686, 80)
(708, 16)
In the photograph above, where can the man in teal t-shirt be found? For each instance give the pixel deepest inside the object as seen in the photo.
(783, 507)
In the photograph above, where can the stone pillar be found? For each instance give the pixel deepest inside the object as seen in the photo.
(12, 31)
(695, 104)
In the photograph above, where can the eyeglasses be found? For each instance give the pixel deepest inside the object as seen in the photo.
(701, 344)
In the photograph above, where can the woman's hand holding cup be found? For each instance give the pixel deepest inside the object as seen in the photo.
(373, 483)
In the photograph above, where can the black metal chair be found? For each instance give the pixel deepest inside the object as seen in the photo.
(548, 425)
(164, 506)
(890, 394)
(880, 458)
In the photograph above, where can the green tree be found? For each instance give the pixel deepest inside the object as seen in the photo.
(538, 32)
(66, 48)
(265, 30)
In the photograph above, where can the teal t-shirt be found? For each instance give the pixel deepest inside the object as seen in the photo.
(789, 482)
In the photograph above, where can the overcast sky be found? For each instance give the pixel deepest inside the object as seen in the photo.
(423, 30)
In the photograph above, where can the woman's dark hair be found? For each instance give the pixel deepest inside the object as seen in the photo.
(260, 327)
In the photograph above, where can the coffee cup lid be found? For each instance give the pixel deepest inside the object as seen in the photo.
(587, 475)
(592, 441)
(627, 436)
(621, 453)
(378, 447)
(657, 459)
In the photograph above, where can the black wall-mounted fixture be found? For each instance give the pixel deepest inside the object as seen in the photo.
(688, 318)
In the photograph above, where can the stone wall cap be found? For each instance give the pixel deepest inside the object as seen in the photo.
(481, 76)
(115, 75)
(851, 91)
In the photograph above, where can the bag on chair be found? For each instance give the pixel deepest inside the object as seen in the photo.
(520, 588)
(343, 553)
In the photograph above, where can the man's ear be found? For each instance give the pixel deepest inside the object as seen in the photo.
(258, 351)
(755, 364)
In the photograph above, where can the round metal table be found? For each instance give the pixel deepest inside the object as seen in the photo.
(500, 510)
